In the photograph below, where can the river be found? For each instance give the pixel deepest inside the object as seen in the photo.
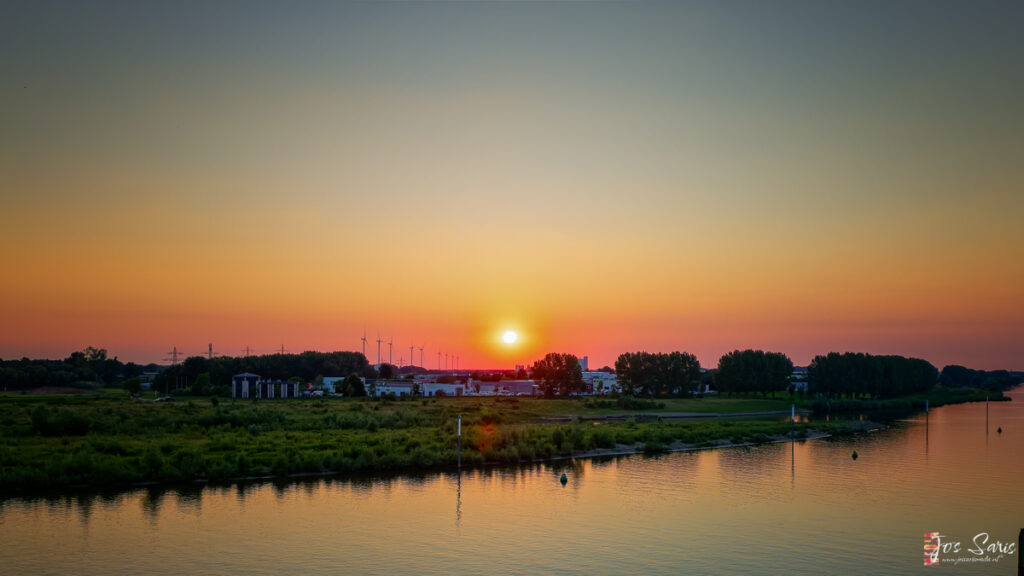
(801, 508)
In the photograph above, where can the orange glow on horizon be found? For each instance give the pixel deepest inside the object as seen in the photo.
(446, 186)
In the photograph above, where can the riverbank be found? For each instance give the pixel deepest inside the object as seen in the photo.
(650, 416)
(110, 440)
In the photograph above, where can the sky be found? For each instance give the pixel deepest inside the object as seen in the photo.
(600, 177)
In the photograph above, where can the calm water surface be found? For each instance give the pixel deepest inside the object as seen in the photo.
(804, 508)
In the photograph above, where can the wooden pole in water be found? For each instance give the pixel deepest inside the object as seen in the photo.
(460, 441)
(926, 426)
(1020, 557)
(986, 415)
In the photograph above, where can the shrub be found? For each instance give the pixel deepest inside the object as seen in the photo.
(107, 445)
(603, 438)
(558, 437)
(280, 465)
(654, 447)
(152, 464)
(63, 422)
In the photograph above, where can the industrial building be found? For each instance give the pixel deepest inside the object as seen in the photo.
(248, 385)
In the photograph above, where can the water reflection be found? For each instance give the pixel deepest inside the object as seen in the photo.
(151, 501)
(458, 502)
(189, 498)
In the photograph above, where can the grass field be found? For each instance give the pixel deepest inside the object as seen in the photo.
(109, 439)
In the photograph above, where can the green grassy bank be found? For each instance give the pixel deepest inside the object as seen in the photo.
(110, 439)
(938, 396)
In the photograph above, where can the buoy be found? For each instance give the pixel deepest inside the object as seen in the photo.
(1000, 430)
(854, 454)
(564, 479)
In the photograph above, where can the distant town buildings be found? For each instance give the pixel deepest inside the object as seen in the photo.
(248, 385)
(598, 382)
(330, 384)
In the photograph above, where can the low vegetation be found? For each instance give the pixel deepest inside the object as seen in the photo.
(937, 396)
(110, 439)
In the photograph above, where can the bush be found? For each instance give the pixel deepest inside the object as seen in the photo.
(759, 438)
(107, 445)
(654, 447)
(631, 403)
(63, 422)
(558, 438)
(280, 465)
(132, 385)
(153, 464)
(603, 438)
(243, 463)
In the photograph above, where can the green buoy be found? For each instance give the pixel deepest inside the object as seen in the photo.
(564, 479)
(854, 454)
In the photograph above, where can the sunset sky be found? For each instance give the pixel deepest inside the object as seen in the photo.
(601, 177)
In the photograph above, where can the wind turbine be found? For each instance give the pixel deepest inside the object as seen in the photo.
(378, 348)
(364, 342)
(421, 358)
(410, 355)
(390, 344)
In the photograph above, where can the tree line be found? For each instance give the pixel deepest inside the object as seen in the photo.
(638, 373)
(994, 380)
(304, 367)
(853, 375)
(657, 374)
(82, 369)
(753, 371)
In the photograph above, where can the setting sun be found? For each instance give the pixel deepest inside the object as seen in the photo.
(509, 337)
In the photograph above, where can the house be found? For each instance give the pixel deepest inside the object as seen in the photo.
(248, 385)
(331, 384)
(513, 387)
(147, 379)
(798, 379)
(396, 387)
(244, 385)
(286, 389)
(600, 382)
(432, 389)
